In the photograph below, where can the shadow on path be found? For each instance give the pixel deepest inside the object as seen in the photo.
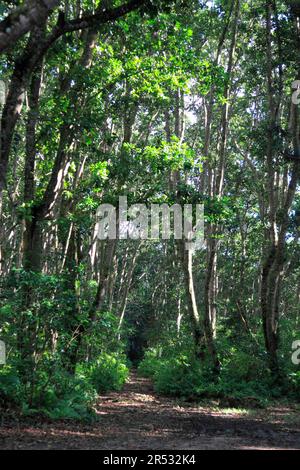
(137, 418)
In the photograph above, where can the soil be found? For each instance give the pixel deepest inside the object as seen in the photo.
(137, 418)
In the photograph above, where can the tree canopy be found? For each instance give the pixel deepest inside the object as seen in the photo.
(164, 102)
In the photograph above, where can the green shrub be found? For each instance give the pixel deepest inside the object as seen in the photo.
(61, 396)
(295, 381)
(180, 378)
(56, 395)
(10, 387)
(109, 372)
(149, 365)
(242, 378)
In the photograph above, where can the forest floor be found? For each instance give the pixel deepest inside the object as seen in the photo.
(137, 418)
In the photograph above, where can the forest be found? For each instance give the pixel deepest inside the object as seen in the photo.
(113, 336)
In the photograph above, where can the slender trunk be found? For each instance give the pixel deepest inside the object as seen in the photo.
(186, 257)
(216, 187)
(103, 285)
(128, 282)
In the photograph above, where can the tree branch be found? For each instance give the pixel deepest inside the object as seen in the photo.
(22, 20)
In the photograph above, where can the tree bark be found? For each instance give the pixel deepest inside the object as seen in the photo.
(278, 215)
(23, 20)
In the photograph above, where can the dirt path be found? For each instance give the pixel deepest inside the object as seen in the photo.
(137, 418)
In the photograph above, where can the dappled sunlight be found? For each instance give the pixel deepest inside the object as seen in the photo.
(149, 224)
(137, 418)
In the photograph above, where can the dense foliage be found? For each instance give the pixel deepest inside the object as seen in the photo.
(186, 102)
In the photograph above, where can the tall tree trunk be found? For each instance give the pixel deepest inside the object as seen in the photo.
(185, 256)
(278, 215)
(216, 187)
